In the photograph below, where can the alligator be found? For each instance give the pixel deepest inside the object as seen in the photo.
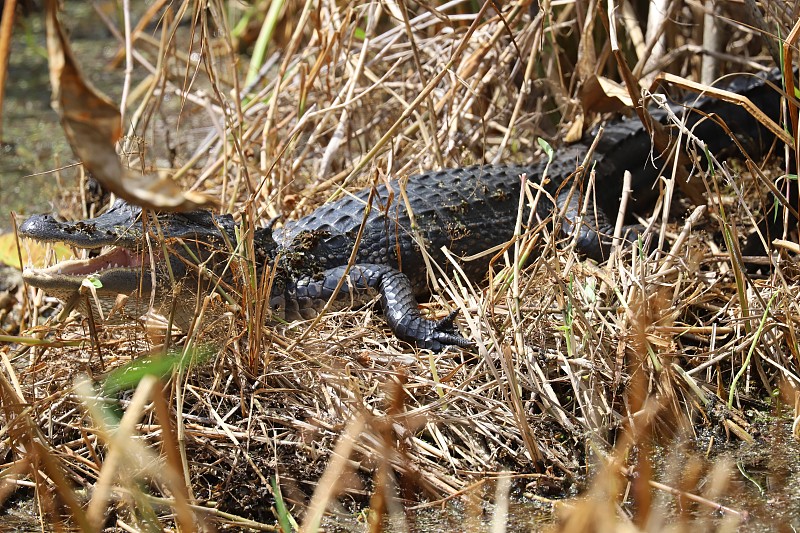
(360, 253)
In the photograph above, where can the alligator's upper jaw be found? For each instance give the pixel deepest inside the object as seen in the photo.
(119, 271)
(122, 226)
(119, 226)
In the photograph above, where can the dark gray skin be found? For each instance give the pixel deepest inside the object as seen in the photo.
(468, 210)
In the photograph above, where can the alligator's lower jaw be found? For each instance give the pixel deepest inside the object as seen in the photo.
(119, 271)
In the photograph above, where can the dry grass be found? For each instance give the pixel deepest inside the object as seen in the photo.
(578, 369)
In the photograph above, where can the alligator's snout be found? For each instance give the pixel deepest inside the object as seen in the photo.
(143, 270)
(121, 225)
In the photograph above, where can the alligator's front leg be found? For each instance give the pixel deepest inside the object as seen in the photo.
(305, 297)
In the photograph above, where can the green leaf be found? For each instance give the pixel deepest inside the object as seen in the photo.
(285, 519)
(546, 147)
(162, 365)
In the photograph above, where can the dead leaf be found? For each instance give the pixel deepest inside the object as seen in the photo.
(587, 55)
(93, 125)
(575, 132)
(602, 95)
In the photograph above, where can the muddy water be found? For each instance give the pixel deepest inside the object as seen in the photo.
(33, 142)
(760, 479)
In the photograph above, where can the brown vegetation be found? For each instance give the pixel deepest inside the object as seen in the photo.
(579, 369)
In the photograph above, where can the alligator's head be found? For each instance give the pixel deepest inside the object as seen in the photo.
(135, 256)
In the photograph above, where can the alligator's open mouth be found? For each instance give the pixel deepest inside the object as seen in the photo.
(118, 270)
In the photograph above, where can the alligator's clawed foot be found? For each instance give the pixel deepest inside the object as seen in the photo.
(443, 334)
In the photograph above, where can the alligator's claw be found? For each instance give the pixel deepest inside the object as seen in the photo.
(443, 333)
